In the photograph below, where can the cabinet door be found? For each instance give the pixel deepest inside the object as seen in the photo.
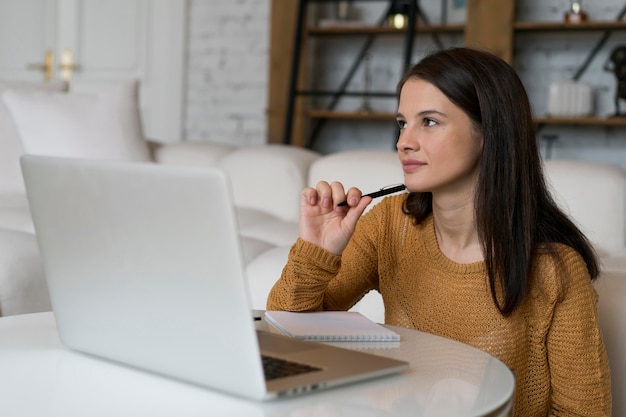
(101, 41)
(27, 31)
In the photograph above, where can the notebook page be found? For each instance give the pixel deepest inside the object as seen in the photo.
(329, 326)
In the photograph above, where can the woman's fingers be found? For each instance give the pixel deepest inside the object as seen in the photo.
(338, 193)
(353, 196)
(310, 196)
(329, 196)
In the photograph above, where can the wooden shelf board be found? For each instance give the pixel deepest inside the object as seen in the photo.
(542, 120)
(380, 30)
(588, 121)
(558, 26)
(350, 115)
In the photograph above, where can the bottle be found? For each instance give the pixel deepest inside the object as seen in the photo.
(575, 14)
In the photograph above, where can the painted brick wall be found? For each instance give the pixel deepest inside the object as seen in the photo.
(227, 77)
(226, 95)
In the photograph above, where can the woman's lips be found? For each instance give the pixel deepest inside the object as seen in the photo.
(411, 165)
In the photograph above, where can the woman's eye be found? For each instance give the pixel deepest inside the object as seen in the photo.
(429, 122)
(401, 124)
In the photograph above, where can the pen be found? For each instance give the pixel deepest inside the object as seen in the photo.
(382, 192)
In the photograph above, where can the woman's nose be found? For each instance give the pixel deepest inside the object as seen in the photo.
(406, 142)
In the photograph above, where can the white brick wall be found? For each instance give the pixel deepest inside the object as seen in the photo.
(226, 95)
(228, 57)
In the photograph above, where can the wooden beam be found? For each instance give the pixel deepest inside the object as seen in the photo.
(282, 28)
(284, 16)
(490, 26)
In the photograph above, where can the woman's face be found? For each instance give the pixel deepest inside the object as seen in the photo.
(438, 147)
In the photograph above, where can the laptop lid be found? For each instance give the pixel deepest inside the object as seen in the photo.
(144, 266)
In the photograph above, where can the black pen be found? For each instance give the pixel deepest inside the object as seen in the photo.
(379, 193)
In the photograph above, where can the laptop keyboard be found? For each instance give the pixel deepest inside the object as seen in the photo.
(279, 368)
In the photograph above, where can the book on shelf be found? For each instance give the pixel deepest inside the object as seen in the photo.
(329, 326)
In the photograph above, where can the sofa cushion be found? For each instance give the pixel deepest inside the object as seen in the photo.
(263, 272)
(594, 195)
(269, 178)
(102, 124)
(615, 262)
(10, 144)
(266, 227)
(23, 288)
(15, 213)
(252, 248)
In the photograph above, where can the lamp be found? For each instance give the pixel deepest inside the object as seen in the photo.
(398, 14)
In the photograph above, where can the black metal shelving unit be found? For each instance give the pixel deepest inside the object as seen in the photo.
(413, 13)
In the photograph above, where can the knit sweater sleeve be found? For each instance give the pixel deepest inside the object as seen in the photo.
(577, 359)
(314, 279)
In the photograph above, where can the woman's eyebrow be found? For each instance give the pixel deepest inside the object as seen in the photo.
(421, 114)
(429, 112)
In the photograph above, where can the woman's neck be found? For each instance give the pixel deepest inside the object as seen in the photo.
(455, 228)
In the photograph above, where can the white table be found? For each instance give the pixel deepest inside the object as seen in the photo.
(39, 377)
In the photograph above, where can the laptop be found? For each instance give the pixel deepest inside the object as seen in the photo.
(144, 267)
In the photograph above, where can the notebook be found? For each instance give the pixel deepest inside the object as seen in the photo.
(144, 267)
(330, 326)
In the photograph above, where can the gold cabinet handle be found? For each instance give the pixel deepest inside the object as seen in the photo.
(67, 65)
(47, 66)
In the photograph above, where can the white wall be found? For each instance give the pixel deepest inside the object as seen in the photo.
(227, 78)
(228, 57)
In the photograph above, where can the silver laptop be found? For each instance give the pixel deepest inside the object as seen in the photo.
(144, 267)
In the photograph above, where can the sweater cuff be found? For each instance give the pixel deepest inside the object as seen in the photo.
(317, 256)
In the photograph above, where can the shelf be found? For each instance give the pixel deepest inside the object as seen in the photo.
(540, 120)
(380, 30)
(350, 115)
(560, 26)
(582, 121)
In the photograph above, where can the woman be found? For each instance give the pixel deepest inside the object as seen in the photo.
(477, 251)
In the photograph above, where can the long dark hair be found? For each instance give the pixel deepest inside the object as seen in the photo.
(515, 213)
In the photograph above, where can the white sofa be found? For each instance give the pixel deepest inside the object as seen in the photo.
(267, 181)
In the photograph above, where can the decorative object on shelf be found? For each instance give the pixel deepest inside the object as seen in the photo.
(617, 65)
(455, 12)
(575, 14)
(343, 9)
(570, 99)
(341, 14)
(398, 14)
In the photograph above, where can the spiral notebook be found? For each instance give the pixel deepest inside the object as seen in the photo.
(330, 326)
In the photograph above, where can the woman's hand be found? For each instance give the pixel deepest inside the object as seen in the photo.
(325, 224)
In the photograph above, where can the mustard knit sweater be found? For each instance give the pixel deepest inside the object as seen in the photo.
(552, 341)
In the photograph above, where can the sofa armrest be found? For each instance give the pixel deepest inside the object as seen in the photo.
(611, 288)
(190, 153)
